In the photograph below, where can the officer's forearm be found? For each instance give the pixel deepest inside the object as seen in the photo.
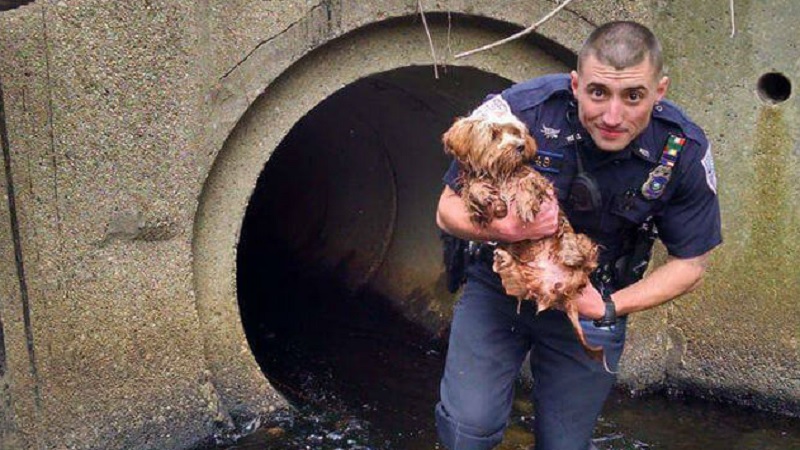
(452, 216)
(664, 283)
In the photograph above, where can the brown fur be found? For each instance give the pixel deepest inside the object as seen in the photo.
(495, 177)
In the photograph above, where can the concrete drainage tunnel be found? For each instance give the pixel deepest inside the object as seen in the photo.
(339, 265)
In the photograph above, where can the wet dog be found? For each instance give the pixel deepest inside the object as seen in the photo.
(492, 148)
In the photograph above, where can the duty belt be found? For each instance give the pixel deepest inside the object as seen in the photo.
(604, 278)
(481, 251)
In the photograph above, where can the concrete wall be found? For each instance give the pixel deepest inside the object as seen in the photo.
(737, 338)
(137, 131)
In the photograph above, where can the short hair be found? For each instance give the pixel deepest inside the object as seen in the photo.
(622, 44)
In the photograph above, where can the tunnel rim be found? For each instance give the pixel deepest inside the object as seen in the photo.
(240, 383)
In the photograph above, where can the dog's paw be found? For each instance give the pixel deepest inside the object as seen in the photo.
(531, 190)
(510, 275)
(577, 250)
(483, 202)
(502, 260)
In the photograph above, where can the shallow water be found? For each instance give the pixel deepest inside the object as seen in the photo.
(654, 422)
(370, 381)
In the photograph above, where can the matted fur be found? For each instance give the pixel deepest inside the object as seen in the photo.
(493, 152)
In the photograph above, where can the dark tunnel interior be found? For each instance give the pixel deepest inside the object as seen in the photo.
(339, 260)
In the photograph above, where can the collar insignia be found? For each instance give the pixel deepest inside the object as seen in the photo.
(574, 137)
(550, 133)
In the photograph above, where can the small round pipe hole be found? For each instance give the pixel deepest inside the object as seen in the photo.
(774, 88)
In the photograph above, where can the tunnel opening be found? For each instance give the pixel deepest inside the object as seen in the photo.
(6, 5)
(339, 275)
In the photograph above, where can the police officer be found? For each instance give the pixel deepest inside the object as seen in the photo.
(624, 162)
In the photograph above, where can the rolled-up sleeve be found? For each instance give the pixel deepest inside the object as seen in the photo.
(451, 177)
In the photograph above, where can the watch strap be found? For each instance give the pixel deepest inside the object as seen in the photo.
(610, 316)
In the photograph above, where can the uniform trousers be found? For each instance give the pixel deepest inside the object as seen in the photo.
(488, 343)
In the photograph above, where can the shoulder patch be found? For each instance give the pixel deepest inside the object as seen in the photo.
(708, 165)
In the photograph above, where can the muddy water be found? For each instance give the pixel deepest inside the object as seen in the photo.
(362, 378)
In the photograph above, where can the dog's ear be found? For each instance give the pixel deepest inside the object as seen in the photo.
(458, 139)
(530, 146)
(496, 131)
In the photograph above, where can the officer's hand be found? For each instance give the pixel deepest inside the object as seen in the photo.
(590, 303)
(513, 229)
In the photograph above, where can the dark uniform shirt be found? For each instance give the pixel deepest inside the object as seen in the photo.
(686, 214)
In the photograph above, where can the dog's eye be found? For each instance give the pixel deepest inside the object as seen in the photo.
(521, 148)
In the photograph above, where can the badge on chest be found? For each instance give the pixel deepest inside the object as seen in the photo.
(659, 177)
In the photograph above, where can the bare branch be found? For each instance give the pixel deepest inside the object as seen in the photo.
(449, 29)
(430, 40)
(516, 35)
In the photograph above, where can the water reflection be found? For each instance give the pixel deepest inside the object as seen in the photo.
(367, 379)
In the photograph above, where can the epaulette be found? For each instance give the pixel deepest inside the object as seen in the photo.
(669, 112)
(534, 92)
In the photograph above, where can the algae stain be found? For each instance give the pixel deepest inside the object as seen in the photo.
(773, 246)
(770, 184)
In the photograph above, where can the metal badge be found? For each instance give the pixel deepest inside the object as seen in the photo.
(550, 133)
(656, 182)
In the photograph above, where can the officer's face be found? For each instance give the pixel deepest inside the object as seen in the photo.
(615, 105)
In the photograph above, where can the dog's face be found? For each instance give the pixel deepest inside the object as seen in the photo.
(490, 146)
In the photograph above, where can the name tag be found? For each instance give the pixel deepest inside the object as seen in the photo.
(545, 161)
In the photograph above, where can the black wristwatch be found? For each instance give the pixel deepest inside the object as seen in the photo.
(610, 317)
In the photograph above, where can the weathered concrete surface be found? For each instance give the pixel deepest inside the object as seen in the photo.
(136, 135)
(105, 239)
(738, 337)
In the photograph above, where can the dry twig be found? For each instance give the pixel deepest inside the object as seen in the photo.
(516, 35)
(430, 40)
(733, 20)
(449, 29)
